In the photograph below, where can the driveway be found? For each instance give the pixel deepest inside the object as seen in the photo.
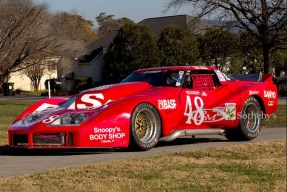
(22, 98)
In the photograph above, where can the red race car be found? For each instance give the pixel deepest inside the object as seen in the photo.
(150, 105)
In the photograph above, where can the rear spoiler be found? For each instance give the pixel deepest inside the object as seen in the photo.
(267, 78)
(256, 77)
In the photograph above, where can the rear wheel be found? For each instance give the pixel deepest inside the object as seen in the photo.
(145, 126)
(250, 122)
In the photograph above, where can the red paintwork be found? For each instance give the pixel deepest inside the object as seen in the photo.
(111, 107)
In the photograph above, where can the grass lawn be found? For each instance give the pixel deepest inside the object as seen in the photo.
(276, 119)
(247, 167)
(9, 110)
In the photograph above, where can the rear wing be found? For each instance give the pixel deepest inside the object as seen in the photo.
(267, 78)
(256, 77)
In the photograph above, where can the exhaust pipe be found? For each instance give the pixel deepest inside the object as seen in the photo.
(181, 133)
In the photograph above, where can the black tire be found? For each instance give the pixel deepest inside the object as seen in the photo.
(145, 127)
(250, 122)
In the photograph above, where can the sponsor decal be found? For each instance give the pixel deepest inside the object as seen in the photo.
(214, 115)
(102, 87)
(230, 110)
(107, 135)
(89, 101)
(199, 67)
(50, 119)
(199, 115)
(269, 94)
(167, 104)
(45, 106)
(253, 92)
(194, 116)
(220, 111)
(270, 103)
(150, 72)
(202, 93)
(193, 92)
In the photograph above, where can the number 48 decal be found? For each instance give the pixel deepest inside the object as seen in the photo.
(198, 114)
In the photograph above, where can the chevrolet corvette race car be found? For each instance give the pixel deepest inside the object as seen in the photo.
(150, 105)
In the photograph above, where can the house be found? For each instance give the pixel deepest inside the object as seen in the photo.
(86, 66)
(91, 64)
(22, 82)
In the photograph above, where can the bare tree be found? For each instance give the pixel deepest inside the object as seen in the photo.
(38, 68)
(265, 20)
(35, 73)
(24, 35)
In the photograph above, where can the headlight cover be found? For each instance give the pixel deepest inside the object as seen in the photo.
(28, 120)
(70, 119)
(81, 117)
(66, 119)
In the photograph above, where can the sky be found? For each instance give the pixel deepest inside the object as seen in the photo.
(135, 10)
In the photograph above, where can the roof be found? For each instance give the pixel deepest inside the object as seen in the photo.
(96, 47)
(89, 57)
(158, 24)
(103, 41)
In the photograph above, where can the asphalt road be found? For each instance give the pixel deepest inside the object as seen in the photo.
(28, 162)
(22, 98)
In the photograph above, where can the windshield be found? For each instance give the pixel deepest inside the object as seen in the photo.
(156, 78)
(68, 103)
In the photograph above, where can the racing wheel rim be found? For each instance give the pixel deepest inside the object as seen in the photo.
(251, 117)
(145, 125)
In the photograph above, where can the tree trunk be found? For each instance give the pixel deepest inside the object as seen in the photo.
(3, 78)
(37, 83)
(266, 60)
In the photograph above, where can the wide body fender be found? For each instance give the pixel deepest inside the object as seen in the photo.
(265, 93)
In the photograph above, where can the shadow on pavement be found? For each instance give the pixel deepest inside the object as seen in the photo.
(8, 151)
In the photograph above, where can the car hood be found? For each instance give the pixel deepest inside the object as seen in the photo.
(96, 97)
(88, 102)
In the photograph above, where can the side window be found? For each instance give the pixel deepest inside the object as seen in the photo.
(171, 78)
(174, 78)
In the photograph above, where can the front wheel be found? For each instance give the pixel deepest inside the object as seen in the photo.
(250, 122)
(145, 126)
